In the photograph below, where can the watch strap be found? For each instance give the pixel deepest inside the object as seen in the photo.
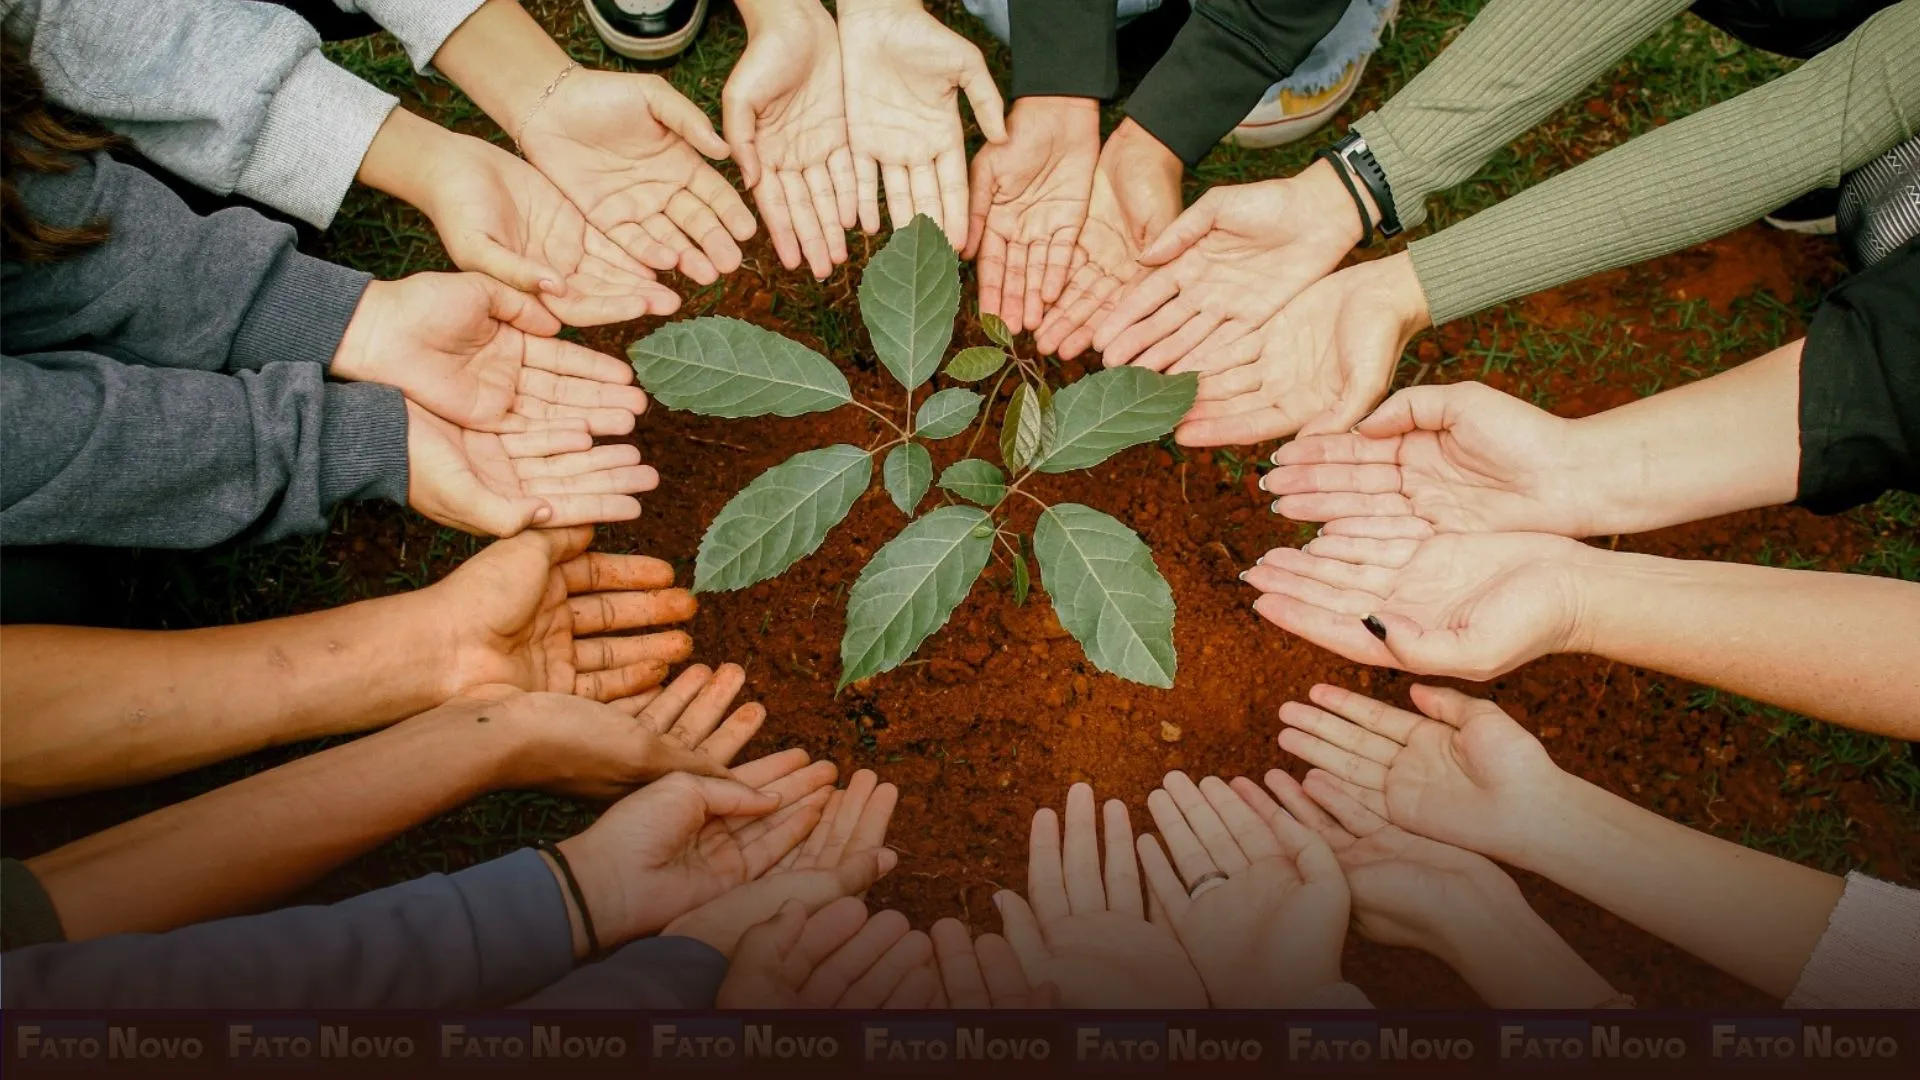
(1359, 158)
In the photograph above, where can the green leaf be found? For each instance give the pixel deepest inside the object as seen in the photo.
(1110, 410)
(996, 329)
(1107, 591)
(909, 296)
(947, 413)
(1027, 430)
(979, 362)
(975, 481)
(907, 472)
(724, 367)
(781, 517)
(1021, 582)
(911, 587)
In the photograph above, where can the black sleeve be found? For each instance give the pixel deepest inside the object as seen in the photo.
(1860, 388)
(1063, 48)
(1223, 59)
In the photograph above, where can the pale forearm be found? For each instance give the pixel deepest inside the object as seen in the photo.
(1713, 447)
(503, 60)
(86, 708)
(1514, 960)
(758, 13)
(244, 846)
(1834, 646)
(1749, 914)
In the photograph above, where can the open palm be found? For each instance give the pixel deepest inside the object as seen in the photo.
(1029, 201)
(627, 150)
(1467, 605)
(1124, 213)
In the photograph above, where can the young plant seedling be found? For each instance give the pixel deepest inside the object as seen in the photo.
(1100, 576)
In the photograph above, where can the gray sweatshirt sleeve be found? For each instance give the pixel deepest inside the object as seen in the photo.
(170, 288)
(235, 97)
(479, 938)
(99, 452)
(652, 973)
(421, 26)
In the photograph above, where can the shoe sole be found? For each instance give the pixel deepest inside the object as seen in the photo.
(635, 48)
(1293, 128)
(1826, 226)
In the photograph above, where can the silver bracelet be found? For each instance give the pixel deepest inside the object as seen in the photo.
(541, 101)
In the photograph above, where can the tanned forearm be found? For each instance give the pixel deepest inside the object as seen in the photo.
(82, 709)
(1713, 447)
(249, 844)
(1754, 916)
(1830, 645)
(503, 60)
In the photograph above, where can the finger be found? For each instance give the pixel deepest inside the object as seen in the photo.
(1122, 873)
(764, 843)
(594, 509)
(637, 242)
(870, 829)
(1013, 306)
(899, 194)
(1277, 582)
(1379, 479)
(787, 776)
(597, 571)
(890, 972)
(599, 459)
(557, 437)
(1369, 576)
(1451, 706)
(1375, 528)
(726, 741)
(1144, 296)
(1060, 249)
(1222, 849)
(1176, 319)
(846, 187)
(1189, 855)
(1046, 878)
(1250, 834)
(826, 931)
(1337, 632)
(1080, 862)
(992, 272)
(979, 203)
(826, 208)
(724, 798)
(685, 119)
(615, 683)
(1185, 231)
(988, 109)
(959, 966)
(838, 972)
(1334, 506)
(1199, 332)
(860, 790)
(698, 220)
(598, 613)
(537, 414)
(1318, 783)
(1390, 728)
(919, 990)
(674, 699)
(1295, 800)
(737, 121)
(704, 712)
(1356, 397)
(1035, 308)
(1416, 408)
(1234, 429)
(950, 179)
(765, 947)
(807, 854)
(687, 257)
(771, 197)
(1166, 893)
(1345, 448)
(578, 361)
(635, 705)
(1321, 754)
(494, 259)
(1000, 970)
(806, 223)
(708, 186)
(1352, 815)
(1022, 930)
(666, 648)
(867, 182)
(925, 185)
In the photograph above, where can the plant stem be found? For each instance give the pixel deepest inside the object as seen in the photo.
(986, 410)
(882, 417)
(1014, 489)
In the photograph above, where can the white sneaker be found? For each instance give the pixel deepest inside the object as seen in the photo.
(646, 29)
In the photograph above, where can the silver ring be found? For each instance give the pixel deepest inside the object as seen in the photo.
(1204, 880)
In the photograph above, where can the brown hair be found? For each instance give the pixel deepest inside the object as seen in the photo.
(33, 139)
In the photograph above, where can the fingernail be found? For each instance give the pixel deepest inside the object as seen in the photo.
(1244, 573)
(1274, 457)
(1375, 626)
(1275, 508)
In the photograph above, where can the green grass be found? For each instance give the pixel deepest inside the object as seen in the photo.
(1682, 68)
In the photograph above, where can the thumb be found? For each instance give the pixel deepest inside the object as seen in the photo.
(517, 309)
(1193, 223)
(685, 119)
(766, 944)
(979, 202)
(1414, 648)
(989, 111)
(501, 263)
(856, 873)
(1415, 408)
(1345, 412)
(663, 756)
(730, 798)
(737, 119)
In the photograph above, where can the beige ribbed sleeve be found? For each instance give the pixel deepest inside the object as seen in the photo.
(1517, 61)
(1691, 180)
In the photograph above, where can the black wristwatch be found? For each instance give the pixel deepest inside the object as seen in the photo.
(1360, 161)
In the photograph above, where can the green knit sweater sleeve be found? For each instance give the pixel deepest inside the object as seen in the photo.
(1517, 61)
(1691, 180)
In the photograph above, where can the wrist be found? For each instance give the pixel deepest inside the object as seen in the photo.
(576, 924)
(502, 59)
(1512, 959)
(405, 154)
(357, 356)
(1401, 283)
(861, 7)
(1329, 204)
(761, 15)
(600, 888)
(1133, 147)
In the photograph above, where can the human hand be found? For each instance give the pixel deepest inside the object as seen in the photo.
(1029, 200)
(578, 747)
(478, 354)
(497, 215)
(1259, 903)
(1135, 196)
(835, 958)
(1464, 773)
(1086, 931)
(786, 121)
(1315, 367)
(1467, 605)
(681, 841)
(627, 150)
(983, 973)
(904, 72)
(1461, 457)
(843, 856)
(1225, 266)
(522, 612)
(551, 475)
